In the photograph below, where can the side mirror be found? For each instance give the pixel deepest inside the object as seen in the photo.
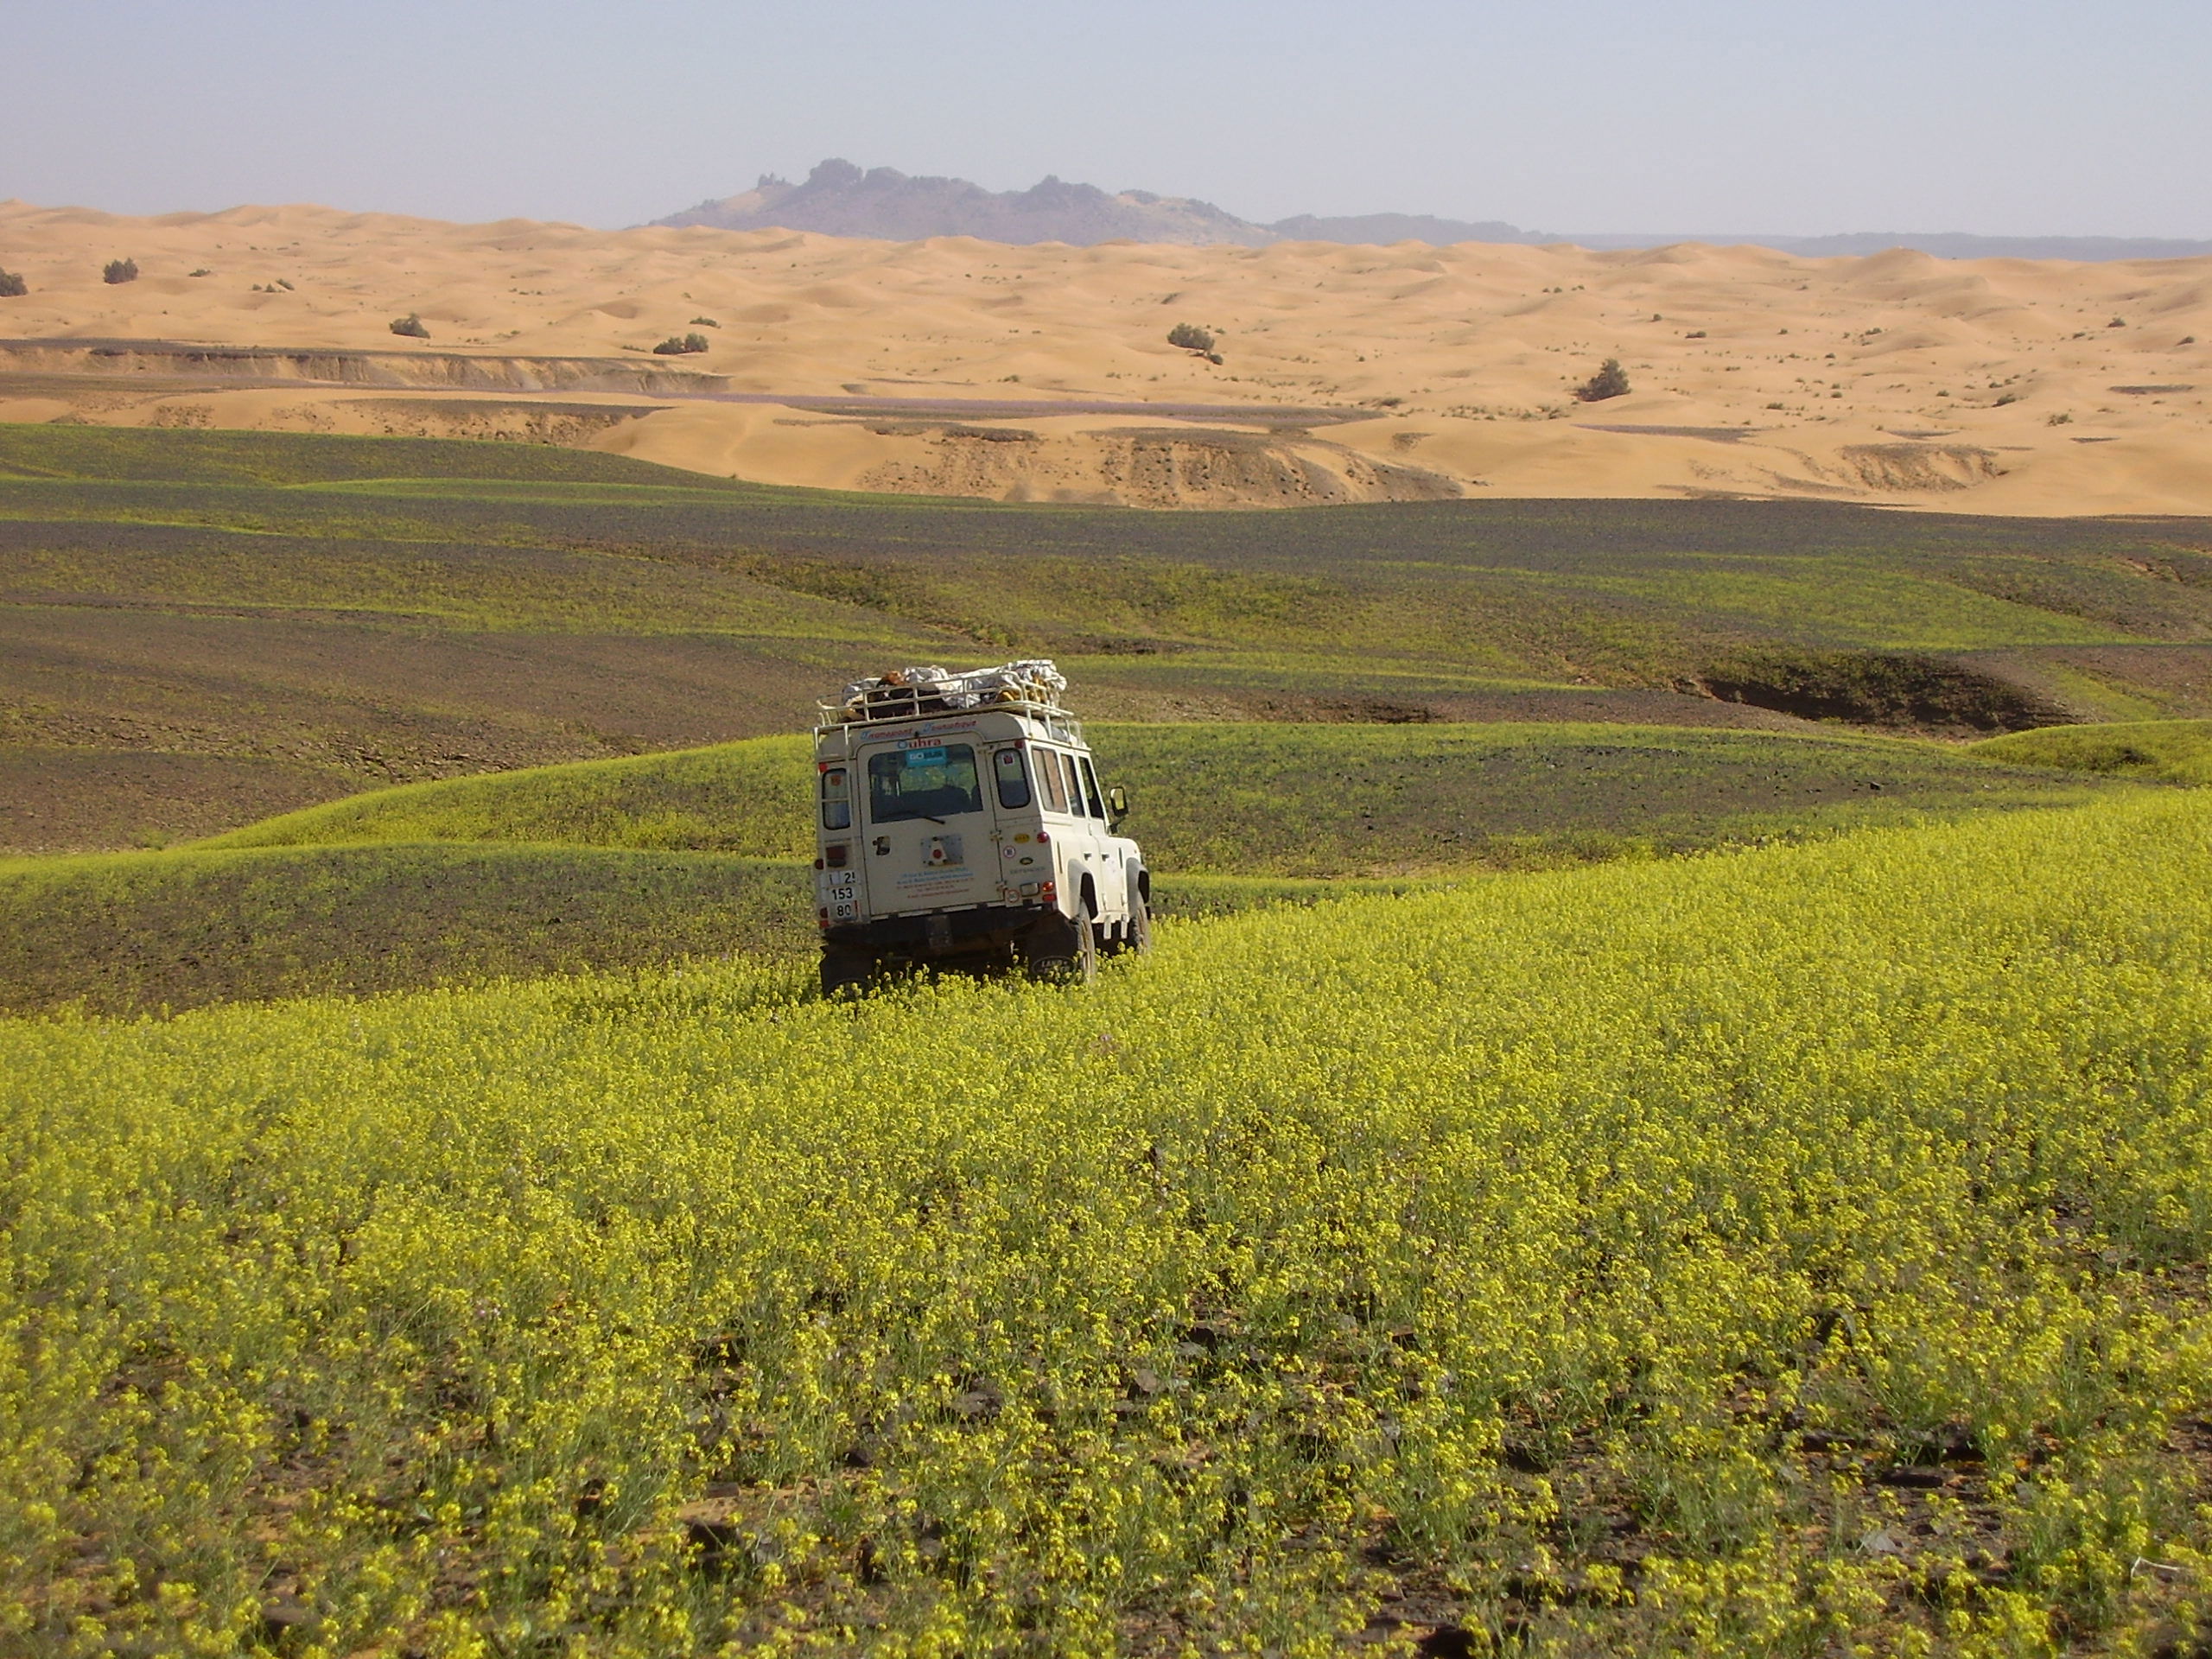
(1117, 802)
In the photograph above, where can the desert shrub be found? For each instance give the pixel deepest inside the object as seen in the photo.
(12, 286)
(706, 323)
(411, 326)
(120, 270)
(1191, 338)
(1610, 381)
(681, 346)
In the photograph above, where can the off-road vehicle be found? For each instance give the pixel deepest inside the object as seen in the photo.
(958, 821)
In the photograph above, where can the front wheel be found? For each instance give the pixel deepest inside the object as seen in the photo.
(1134, 935)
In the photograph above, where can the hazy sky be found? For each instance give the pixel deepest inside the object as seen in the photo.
(2051, 117)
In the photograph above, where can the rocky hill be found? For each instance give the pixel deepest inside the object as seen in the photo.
(838, 198)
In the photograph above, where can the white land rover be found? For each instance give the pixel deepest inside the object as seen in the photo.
(959, 820)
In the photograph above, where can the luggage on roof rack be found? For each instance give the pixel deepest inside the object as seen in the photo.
(909, 693)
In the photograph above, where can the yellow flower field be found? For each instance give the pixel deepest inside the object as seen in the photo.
(1794, 1251)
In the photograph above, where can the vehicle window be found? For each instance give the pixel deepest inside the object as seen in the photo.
(939, 782)
(1013, 778)
(1091, 789)
(1075, 784)
(836, 799)
(1048, 775)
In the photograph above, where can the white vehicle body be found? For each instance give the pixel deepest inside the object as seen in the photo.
(956, 824)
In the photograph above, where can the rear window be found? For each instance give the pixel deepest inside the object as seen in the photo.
(939, 782)
(836, 799)
(1013, 778)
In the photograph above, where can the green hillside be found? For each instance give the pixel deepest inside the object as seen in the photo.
(699, 853)
(753, 798)
(1266, 799)
(2169, 751)
(318, 615)
(136, 933)
(127, 933)
(1792, 1253)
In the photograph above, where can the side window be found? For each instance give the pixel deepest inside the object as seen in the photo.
(837, 798)
(1048, 775)
(1091, 789)
(1075, 784)
(1013, 778)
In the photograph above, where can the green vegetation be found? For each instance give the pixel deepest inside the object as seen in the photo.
(138, 933)
(657, 858)
(120, 270)
(1887, 688)
(1259, 799)
(1610, 381)
(752, 798)
(229, 464)
(129, 933)
(399, 609)
(682, 345)
(1336, 800)
(1797, 1252)
(1191, 338)
(12, 286)
(411, 326)
(2171, 751)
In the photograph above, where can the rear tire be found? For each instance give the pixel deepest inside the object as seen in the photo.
(846, 970)
(1065, 955)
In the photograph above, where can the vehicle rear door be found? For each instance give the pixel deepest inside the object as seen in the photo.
(925, 825)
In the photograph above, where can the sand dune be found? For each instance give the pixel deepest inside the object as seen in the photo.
(1995, 385)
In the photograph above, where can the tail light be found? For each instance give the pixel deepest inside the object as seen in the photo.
(822, 918)
(1049, 892)
(1044, 837)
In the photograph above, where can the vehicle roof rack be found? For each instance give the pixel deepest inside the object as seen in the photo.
(1032, 686)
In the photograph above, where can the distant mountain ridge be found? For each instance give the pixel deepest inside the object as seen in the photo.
(838, 198)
